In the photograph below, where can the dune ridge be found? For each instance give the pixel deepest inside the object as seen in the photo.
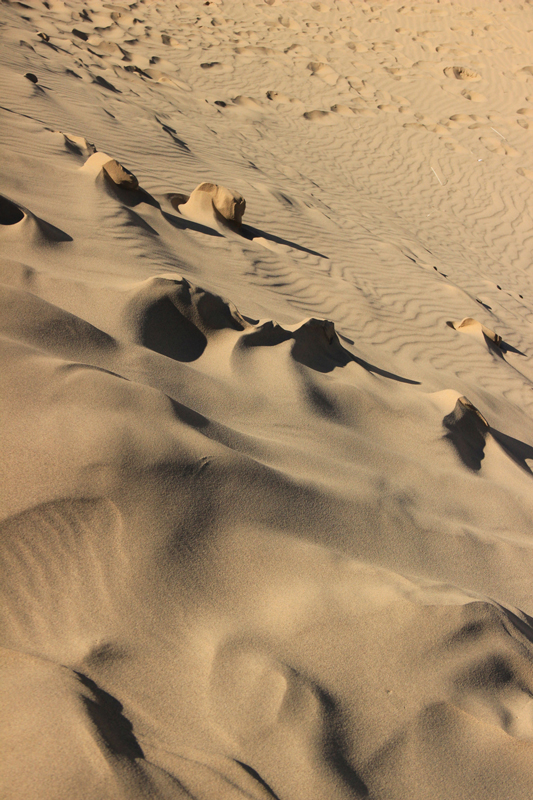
(267, 443)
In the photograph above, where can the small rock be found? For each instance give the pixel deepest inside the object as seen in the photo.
(229, 204)
(211, 204)
(43, 36)
(120, 175)
(31, 77)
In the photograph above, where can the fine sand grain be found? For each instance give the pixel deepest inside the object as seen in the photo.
(266, 358)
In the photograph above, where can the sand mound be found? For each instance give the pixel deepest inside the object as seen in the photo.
(10, 212)
(472, 326)
(19, 223)
(175, 318)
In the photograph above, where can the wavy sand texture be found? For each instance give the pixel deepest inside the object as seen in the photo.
(267, 513)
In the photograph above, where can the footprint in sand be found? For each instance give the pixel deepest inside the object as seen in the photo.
(454, 52)
(440, 129)
(108, 49)
(216, 67)
(452, 144)
(524, 74)
(497, 146)
(400, 101)
(172, 42)
(398, 73)
(461, 119)
(290, 23)
(475, 97)
(367, 90)
(357, 47)
(388, 108)
(321, 117)
(247, 102)
(345, 111)
(462, 73)
(423, 36)
(423, 69)
(299, 50)
(279, 97)
(364, 111)
(386, 47)
(324, 72)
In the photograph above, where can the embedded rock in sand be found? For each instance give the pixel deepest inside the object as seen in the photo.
(228, 203)
(467, 431)
(120, 175)
(470, 325)
(100, 162)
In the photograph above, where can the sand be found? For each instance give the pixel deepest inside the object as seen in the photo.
(267, 446)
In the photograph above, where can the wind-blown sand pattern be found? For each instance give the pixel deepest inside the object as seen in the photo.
(267, 409)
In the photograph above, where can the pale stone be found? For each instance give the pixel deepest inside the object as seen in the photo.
(229, 204)
(120, 175)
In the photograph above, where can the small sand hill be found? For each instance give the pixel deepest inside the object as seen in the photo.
(266, 337)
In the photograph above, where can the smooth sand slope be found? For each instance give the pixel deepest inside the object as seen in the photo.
(267, 479)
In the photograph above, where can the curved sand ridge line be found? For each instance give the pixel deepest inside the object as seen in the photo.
(277, 545)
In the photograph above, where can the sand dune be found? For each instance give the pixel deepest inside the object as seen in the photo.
(267, 422)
